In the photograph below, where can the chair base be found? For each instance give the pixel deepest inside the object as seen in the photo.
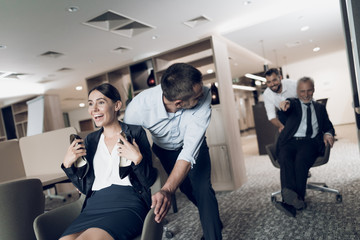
(322, 187)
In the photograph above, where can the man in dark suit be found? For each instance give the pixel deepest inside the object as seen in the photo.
(306, 132)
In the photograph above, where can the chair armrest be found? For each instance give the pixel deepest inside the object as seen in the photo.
(51, 224)
(271, 151)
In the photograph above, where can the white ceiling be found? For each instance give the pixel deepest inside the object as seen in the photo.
(265, 27)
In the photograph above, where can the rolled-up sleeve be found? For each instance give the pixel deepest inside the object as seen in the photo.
(195, 131)
(269, 107)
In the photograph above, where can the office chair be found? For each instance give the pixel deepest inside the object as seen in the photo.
(321, 160)
(50, 225)
(21, 201)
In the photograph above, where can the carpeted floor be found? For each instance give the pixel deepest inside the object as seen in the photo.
(247, 213)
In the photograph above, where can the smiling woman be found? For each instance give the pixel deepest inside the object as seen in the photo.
(116, 201)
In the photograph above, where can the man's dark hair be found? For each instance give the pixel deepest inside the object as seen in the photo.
(178, 80)
(271, 71)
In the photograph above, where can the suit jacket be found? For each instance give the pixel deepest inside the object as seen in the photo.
(141, 177)
(293, 119)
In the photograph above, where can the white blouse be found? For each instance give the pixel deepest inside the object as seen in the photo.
(106, 167)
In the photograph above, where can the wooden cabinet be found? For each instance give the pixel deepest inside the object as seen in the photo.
(210, 56)
(20, 114)
(14, 118)
(120, 78)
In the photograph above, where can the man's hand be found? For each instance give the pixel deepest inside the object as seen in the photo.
(161, 201)
(281, 128)
(328, 139)
(284, 105)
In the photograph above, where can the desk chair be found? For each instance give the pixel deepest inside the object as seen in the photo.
(50, 225)
(21, 201)
(321, 160)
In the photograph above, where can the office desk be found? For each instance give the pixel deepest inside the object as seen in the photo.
(49, 180)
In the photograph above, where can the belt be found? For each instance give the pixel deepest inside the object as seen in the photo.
(300, 138)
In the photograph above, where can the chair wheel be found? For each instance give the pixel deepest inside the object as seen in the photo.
(273, 199)
(338, 198)
(169, 234)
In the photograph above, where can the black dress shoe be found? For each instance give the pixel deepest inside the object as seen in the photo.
(290, 197)
(286, 208)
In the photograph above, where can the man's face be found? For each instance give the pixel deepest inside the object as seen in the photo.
(305, 91)
(274, 83)
(198, 94)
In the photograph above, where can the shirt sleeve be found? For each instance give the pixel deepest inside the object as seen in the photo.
(269, 107)
(195, 130)
(132, 112)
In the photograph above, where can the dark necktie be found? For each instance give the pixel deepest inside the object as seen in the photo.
(309, 129)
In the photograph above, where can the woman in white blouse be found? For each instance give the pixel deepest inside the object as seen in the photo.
(117, 198)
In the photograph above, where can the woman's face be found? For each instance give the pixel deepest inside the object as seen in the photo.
(102, 110)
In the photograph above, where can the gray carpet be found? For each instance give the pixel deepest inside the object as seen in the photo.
(248, 213)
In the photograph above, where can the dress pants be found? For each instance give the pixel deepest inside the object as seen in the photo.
(197, 187)
(296, 157)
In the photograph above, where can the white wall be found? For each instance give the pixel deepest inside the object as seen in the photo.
(332, 80)
(78, 115)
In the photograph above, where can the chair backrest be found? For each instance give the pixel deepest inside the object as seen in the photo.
(44, 153)
(321, 160)
(21, 201)
(50, 225)
(151, 229)
(11, 164)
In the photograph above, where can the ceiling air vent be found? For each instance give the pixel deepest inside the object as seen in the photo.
(196, 21)
(51, 54)
(119, 24)
(64, 69)
(15, 75)
(293, 44)
(121, 49)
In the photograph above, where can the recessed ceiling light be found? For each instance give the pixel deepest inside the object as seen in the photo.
(2, 46)
(304, 28)
(316, 49)
(154, 37)
(81, 105)
(78, 88)
(247, 2)
(73, 9)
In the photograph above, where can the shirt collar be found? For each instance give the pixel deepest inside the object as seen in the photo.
(161, 110)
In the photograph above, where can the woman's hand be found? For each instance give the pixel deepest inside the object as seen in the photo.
(75, 150)
(129, 151)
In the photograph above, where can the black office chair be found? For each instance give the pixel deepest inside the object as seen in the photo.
(321, 160)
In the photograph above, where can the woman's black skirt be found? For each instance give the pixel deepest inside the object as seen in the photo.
(118, 210)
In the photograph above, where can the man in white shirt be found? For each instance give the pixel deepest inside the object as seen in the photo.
(277, 90)
(177, 114)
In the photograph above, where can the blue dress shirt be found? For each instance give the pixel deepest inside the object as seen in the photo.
(183, 129)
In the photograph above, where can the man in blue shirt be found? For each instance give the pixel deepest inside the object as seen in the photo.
(177, 114)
